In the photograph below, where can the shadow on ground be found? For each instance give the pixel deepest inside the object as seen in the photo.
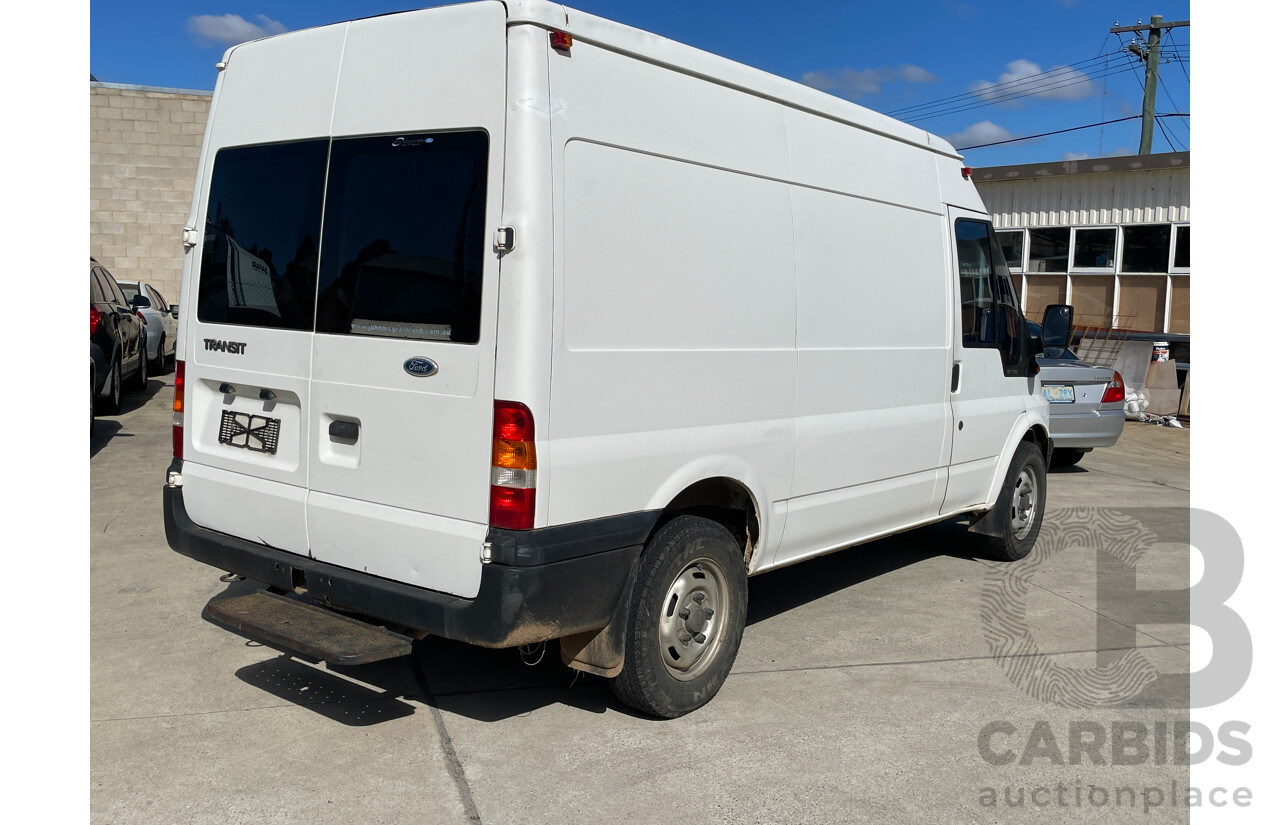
(106, 428)
(491, 685)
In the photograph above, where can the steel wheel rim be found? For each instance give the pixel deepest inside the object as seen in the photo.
(1023, 506)
(691, 621)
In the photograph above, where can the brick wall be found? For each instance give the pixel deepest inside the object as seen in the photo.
(144, 144)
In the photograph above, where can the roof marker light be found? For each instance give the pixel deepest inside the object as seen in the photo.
(561, 41)
(966, 172)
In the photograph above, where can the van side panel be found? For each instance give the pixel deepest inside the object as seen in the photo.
(873, 320)
(675, 322)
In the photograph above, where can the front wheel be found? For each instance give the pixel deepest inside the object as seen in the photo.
(1020, 507)
(687, 613)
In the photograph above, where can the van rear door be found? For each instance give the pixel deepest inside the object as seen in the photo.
(402, 377)
(340, 360)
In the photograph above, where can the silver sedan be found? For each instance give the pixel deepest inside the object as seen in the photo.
(1086, 404)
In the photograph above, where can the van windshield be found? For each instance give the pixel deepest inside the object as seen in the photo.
(402, 248)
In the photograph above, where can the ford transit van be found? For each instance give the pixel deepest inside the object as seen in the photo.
(511, 324)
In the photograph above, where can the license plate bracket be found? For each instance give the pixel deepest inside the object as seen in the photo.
(249, 432)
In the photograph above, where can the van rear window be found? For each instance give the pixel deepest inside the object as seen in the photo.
(402, 249)
(262, 232)
(404, 237)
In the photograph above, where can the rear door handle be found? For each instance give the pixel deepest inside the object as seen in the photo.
(347, 430)
(955, 376)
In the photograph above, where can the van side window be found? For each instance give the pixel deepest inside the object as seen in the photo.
(262, 230)
(404, 242)
(989, 312)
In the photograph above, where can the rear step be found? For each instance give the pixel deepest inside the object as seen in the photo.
(309, 630)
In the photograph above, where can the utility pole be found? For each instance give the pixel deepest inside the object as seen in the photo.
(1150, 52)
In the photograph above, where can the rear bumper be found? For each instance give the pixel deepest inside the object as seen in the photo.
(542, 584)
(1077, 431)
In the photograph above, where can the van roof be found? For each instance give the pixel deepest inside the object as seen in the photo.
(680, 57)
(662, 51)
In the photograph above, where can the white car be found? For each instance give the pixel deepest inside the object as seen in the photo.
(161, 319)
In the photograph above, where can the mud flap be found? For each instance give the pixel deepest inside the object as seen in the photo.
(602, 651)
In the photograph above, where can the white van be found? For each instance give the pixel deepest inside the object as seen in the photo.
(511, 324)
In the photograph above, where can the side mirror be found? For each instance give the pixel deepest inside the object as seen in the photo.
(140, 302)
(1057, 326)
(173, 308)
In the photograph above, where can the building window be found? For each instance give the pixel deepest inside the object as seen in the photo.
(1181, 249)
(1146, 248)
(1094, 250)
(1180, 304)
(1011, 244)
(1048, 248)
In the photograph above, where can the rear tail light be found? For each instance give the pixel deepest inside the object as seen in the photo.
(1115, 389)
(513, 474)
(141, 317)
(179, 386)
(95, 319)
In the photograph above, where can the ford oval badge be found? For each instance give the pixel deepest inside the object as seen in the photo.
(420, 367)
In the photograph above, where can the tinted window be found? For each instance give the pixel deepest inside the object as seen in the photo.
(1011, 247)
(157, 300)
(97, 294)
(114, 292)
(1182, 251)
(1095, 249)
(1048, 248)
(262, 230)
(989, 312)
(404, 237)
(1146, 248)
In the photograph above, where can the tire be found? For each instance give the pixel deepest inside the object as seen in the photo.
(110, 403)
(691, 584)
(139, 380)
(1019, 520)
(1067, 458)
(157, 366)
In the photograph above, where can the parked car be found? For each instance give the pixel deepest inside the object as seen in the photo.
(1086, 403)
(161, 319)
(117, 341)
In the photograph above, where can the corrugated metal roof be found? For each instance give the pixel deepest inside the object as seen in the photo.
(1155, 192)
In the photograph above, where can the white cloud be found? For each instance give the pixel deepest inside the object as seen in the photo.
(1058, 83)
(855, 83)
(230, 29)
(1075, 155)
(978, 134)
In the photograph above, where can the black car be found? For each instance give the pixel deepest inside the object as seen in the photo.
(117, 342)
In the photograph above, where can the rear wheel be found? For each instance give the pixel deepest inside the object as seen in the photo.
(1020, 507)
(1067, 458)
(685, 622)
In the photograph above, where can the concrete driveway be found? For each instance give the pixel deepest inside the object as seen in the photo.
(886, 683)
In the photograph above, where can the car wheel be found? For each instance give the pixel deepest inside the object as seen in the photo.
(685, 620)
(139, 380)
(1066, 458)
(158, 366)
(1020, 506)
(110, 403)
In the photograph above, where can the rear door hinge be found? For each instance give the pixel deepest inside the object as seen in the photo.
(189, 237)
(504, 239)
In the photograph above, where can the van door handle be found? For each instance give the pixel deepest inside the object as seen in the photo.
(347, 430)
(955, 376)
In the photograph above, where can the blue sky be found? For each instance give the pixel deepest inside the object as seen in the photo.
(886, 56)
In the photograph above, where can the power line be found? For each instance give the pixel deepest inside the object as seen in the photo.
(998, 88)
(1040, 90)
(1064, 131)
